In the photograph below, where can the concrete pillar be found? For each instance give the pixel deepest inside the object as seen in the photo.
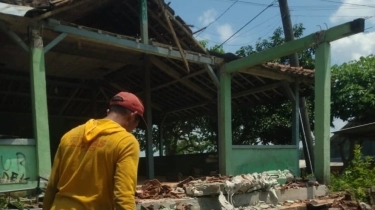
(149, 142)
(39, 102)
(225, 123)
(322, 112)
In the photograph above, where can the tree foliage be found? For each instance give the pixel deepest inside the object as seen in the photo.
(353, 90)
(264, 124)
(215, 48)
(269, 124)
(196, 135)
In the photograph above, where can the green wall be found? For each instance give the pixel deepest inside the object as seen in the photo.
(21, 125)
(250, 159)
(18, 167)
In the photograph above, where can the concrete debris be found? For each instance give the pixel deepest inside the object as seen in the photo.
(185, 181)
(180, 190)
(225, 205)
(153, 189)
(264, 206)
(365, 206)
(333, 202)
(267, 181)
(242, 183)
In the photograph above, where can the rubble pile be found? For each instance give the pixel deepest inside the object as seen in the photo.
(153, 189)
(244, 183)
(339, 201)
(298, 184)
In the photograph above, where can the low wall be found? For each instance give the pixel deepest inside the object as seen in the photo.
(250, 159)
(246, 159)
(18, 169)
(21, 125)
(178, 163)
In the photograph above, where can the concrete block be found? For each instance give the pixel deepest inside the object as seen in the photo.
(302, 193)
(204, 189)
(167, 203)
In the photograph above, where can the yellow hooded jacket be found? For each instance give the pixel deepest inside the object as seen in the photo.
(95, 167)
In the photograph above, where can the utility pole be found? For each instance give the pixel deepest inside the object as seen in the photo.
(288, 29)
(293, 60)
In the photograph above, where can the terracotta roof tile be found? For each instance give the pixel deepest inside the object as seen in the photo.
(298, 71)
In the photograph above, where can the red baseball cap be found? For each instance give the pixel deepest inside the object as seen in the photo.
(129, 101)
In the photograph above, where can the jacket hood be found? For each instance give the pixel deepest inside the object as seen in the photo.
(94, 128)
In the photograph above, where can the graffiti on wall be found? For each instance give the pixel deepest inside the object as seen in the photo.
(13, 168)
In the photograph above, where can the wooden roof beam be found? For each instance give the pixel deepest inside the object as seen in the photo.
(236, 95)
(268, 73)
(171, 72)
(332, 34)
(117, 41)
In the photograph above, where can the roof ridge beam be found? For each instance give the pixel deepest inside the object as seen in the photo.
(329, 35)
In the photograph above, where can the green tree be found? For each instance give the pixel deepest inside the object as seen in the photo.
(215, 48)
(195, 135)
(264, 124)
(353, 90)
(269, 124)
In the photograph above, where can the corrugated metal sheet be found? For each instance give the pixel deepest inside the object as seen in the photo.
(15, 10)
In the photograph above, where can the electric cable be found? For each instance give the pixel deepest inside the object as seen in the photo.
(204, 28)
(270, 5)
(339, 2)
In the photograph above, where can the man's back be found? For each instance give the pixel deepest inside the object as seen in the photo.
(95, 167)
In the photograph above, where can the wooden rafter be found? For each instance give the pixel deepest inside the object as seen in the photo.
(171, 72)
(176, 40)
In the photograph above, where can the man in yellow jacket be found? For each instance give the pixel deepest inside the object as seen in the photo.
(96, 163)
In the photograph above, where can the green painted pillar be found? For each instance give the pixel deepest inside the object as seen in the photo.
(225, 123)
(148, 109)
(39, 102)
(322, 112)
(295, 115)
(144, 21)
(296, 123)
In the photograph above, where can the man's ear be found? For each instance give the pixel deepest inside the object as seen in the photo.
(107, 111)
(134, 116)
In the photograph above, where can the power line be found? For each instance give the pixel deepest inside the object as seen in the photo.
(362, 5)
(245, 32)
(204, 28)
(359, 16)
(248, 2)
(267, 30)
(263, 22)
(270, 5)
(306, 7)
